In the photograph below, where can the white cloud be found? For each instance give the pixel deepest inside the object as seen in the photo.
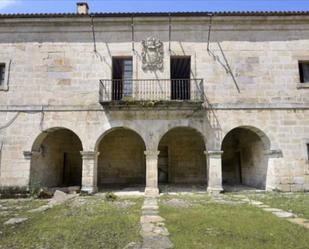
(7, 3)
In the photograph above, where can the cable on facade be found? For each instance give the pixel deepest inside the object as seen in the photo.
(93, 34)
(132, 32)
(169, 31)
(10, 122)
(209, 30)
(42, 119)
(228, 66)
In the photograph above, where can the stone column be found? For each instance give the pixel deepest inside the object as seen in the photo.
(151, 172)
(89, 172)
(275, 157)
(214, 171)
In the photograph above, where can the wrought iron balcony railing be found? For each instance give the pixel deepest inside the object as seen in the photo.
(152, 90)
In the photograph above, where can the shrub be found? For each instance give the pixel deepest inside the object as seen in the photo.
(110, 196)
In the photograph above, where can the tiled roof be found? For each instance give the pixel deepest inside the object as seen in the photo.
(142, 14)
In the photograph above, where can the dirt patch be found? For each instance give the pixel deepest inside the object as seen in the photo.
(178, 203)
(124, 204)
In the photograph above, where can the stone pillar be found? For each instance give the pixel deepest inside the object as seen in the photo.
(89, 172)
(275, 157)
(151, 172)
(28, 157)
(214, 171)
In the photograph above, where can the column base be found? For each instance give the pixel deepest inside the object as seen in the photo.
(214, 191)
(89, 190)
(151, 192)
(270, 188)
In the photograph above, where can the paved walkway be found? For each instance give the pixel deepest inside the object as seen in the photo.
(153, 231)
(291, 217)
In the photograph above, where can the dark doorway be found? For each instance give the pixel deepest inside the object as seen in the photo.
(180, 77)
(122, 77)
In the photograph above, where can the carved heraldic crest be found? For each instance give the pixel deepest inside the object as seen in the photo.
(152, 54)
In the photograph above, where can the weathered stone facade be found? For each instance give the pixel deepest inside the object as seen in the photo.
(55, 65)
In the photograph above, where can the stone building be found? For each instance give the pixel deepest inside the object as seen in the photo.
(195, 98)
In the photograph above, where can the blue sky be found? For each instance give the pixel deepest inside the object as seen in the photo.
(59, 6)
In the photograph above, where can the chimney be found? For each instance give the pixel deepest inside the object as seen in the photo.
(82, 8)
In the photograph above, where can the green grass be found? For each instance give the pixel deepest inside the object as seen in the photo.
(297, 203)
(222, 226)
(17, 208)
(93, 224)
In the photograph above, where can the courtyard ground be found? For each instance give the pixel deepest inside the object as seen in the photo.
(297, 203)
(200, 222)
(195, 221)
(82, 222)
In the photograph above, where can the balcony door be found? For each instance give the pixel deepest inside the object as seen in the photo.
(180, 77)
(122, 77)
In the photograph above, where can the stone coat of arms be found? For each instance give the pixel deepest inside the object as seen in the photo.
(152, 54)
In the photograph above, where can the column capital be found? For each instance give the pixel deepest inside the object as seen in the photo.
(89, 155)
(150, 153)
(273, 153)
(213, 153)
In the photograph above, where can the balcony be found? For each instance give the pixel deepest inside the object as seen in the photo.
(151, 91)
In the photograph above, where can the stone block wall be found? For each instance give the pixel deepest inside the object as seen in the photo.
(186, 161)
(121, 159)
(55, 70)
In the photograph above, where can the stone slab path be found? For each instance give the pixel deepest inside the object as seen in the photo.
(291, 217)
(153, 230)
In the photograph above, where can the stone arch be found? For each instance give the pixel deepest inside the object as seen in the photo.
(111, 129)
(244, 161)
(168, 128)
(55, 159)
(121, 160)
(182, 158)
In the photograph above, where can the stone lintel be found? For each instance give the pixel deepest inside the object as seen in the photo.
(89, 155)
(273, 153)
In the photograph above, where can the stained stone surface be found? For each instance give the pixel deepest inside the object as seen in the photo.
(178, 203)
(153, 231)
(300, 221)
(40, 209)
(14, 221)
(283, 214)
(272, 209)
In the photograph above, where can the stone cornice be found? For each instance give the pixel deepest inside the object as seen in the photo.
(98, 107)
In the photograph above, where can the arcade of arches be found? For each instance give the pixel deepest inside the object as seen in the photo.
(121, 159)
